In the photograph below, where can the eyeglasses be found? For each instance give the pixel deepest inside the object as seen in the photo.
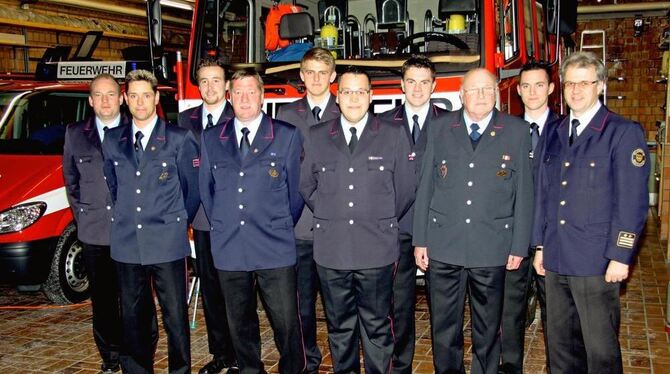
(583, 84)
(349, 93)
(485, 91)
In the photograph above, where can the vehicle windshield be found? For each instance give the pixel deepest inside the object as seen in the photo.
(376, 35)
(34, 122)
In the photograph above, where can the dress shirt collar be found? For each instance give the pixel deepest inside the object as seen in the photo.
(586, 118)
(100, 126)
(422, 113)
(146, 131)
(216, 114)
(360, 126)
(252, 125)
(483, 124)
(540, 121)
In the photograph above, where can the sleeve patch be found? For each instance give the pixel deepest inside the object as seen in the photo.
(638, 158)
(625, 239)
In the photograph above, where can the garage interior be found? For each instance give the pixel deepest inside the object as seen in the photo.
(37, 336)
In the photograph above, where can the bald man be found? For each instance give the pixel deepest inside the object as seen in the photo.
(472, 221)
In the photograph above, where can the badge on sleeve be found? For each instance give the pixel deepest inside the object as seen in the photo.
(625, 239)
(638, 158)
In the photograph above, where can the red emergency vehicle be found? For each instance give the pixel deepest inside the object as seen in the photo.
(38, 238)
(499, 35)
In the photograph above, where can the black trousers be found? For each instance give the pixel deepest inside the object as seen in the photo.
(404, 301)
(308, 284)
(515, 311)
(448, 287)
(278, 290)
(358, 305)
(583, 318)
(104, 291)
(138, 311)
(218, 332)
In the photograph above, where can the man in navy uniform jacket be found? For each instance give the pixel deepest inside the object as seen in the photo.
(414, 116)
(151, 171)
(358, 190)
(317, 71)
(534, 88)
(249, 178)
(214, 110)
(89, 199)
(592, 202)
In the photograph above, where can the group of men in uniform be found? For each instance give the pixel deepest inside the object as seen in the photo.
(455, 194)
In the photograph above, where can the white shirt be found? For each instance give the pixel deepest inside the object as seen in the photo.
(216, 114)
(585, 119)
(422, 113)
(346, 125)
(100, 126)
(483, 124)
(540, 121)
(146, 131)
(322, 105)
(252, 125)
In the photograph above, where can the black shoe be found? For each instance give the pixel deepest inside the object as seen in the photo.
(217, 365)
(110, 367)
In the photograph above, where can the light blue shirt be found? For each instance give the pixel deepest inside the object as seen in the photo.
(100, 126)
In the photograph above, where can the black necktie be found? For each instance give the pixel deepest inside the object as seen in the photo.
(534, 134)
(104, 131)
(416, 130)
(315, 111)
(354, 139)
(210, 123)
(139, 150)
(244, 144)
(573, 133)
(474, 134)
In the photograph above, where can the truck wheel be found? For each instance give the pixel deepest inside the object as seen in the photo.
(67, 282)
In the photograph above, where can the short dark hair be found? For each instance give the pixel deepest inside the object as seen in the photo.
(355, 70)
(210, 62)
(419, 62)
(536, 65)
(142, 75)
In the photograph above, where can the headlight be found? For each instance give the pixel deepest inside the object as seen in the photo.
(21, 216)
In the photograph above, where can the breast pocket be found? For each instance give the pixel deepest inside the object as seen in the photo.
(222, 174)
(594, 170)
(275, 173)
(326, 177)
(381, 172)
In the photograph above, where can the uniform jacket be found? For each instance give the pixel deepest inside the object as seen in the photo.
(192, 119)
(252, 203)
(398, 117)
(87, 191)
(474, 207)
(357, 198)
(552, 118)
(300, 115)
(592, 197)
(155, 200)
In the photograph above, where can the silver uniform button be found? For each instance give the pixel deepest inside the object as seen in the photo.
(272, 164)
(351, 186)
(112, 219)
(562, 202)
(214, 166)
(241, 174)
(164, 164)
(138, 191)
(241, 206)
(323, 169)
(566, 164)
(139, 226)
(470, 183)
(318, 225)
(472, 164)
(80, 161)
(434, 219)
(116, 163)
(444, 162)
(469, 202)
(503, 165)
(138, 173)
(240, 190)
(592, 164)
(351, 170)
(562, 222)
(564, 183)
(139, 209)
(381, 168)
(178, 219)
(467, 220)
(81, 209)
(351, 204)
(108, 207)
(351, 221)
(242, 223)
(506, 225)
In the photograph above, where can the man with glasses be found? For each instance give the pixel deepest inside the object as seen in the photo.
(414, 116)
(592, 201)
(472, 221)
(358, 179)
(317, 71)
